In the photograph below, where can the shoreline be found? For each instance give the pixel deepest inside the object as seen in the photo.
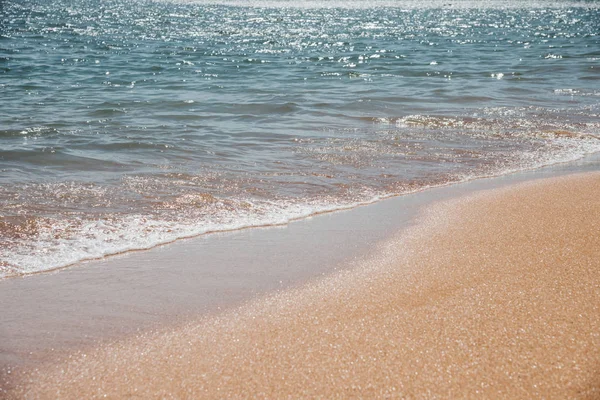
(483, 297)
(294, 281)
(558, 167)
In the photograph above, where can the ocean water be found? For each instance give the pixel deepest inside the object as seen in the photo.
(127, 124)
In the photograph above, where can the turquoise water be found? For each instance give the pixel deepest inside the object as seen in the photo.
(125, 124)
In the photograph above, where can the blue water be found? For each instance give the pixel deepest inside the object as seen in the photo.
(125, 124)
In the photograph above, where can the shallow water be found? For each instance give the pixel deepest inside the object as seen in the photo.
(128, 124)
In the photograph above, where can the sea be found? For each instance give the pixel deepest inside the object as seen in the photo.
(126, 124)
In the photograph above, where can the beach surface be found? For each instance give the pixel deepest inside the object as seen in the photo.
(494, 295)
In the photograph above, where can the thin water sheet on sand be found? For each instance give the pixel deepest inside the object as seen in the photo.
(493, 295)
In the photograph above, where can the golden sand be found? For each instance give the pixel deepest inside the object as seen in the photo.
(495, 295)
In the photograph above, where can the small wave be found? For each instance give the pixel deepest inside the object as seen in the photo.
(577, 92)
(433, 121)
(54, 244)
(107, 112)
(37, 131)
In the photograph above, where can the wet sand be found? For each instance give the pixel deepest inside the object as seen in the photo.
(493, 295)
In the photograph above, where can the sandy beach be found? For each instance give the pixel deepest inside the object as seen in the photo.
(491, 295)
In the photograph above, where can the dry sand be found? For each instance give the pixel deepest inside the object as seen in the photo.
(494, 295)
